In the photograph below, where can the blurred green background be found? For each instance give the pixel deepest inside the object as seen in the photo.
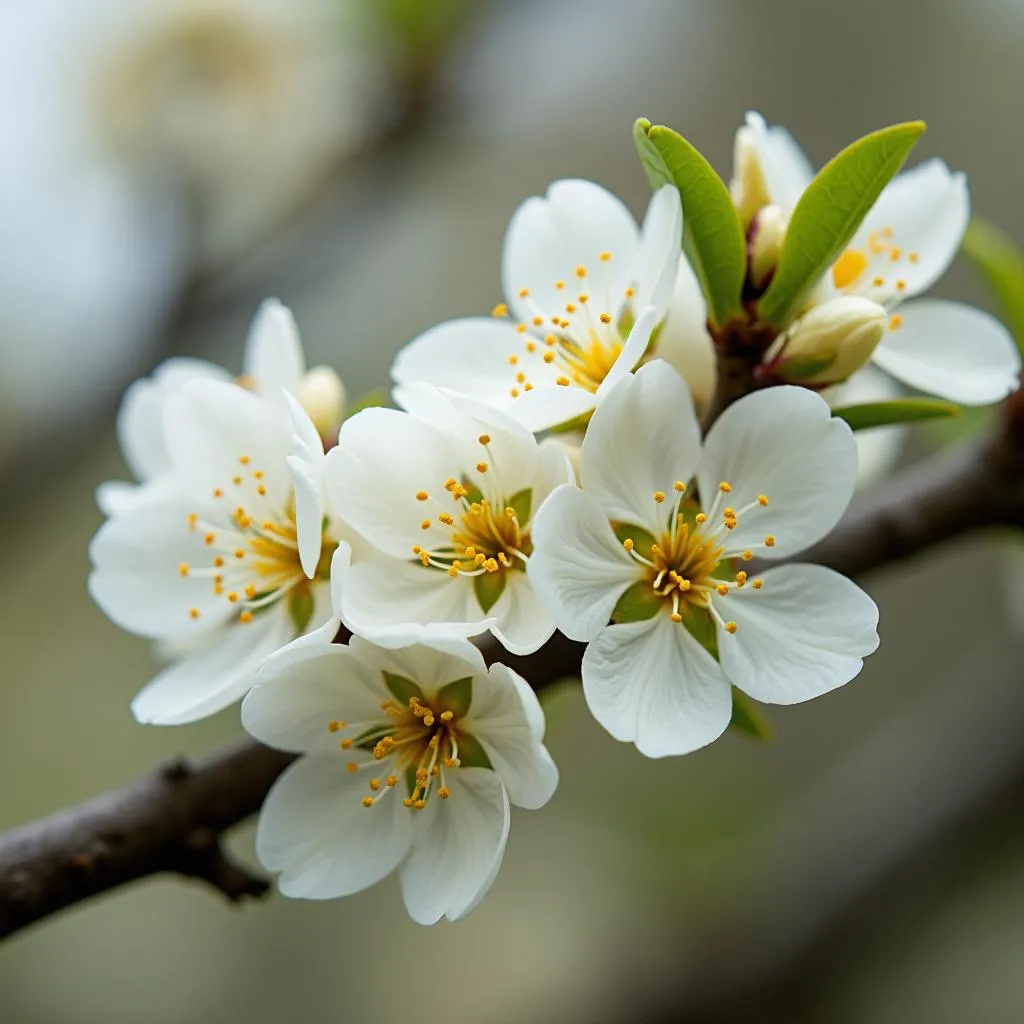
(167, 164)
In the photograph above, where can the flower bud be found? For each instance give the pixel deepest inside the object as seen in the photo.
(832, 341)
(322, 395)
(748, 187)
(767, 233)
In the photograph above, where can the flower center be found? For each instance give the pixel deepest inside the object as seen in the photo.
(580, 342)
(419, 742)
(689, 565)
(254, 561)
(481, 534)
(882, 258)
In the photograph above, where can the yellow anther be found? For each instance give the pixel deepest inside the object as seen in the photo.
(850, 265)
(895, 254)
(559, 285)
(183, 569)
(527, 386)
(570, 308)
(453, 569)
(581, 272)
(895, 322)
(741, 577)
(510, 512)
(877, 282)
(722, 588)
(730, 627)
(193, 613)
(531, 346)
(218, 493)
(479, 558)
(762, 499)
(514, 392)
(524, 293)
(914, 257)
(419, 804)
(563, 382)
(346, 744)
(757, 584)
(391, 781)
(500, 310)
(484, 439)
(901, 285)
(243, 459)
(700, 517)
(261, 490)
(250, 591)
(446, 518)
(521, 378)
(233, 597)
(520, 328)
(628, 544)
(550, 339)
(422, 495)
(239, 552)
(407, 802)
(679, 486)
(447, 716)
(209, 539)
(258, 474)
(367, 801)
(676, 617)
(335, 726)
(450, 483)
(443, 792)
(659, 496)
(605, 318)
(218, 561)
(513, 360)
(769, 540)
(729, 512)
(237, 481)
(583, 298)
(748, 555)
(491, 565)
(725, 487)
(425, 524)
(375, 784)
(630, 292)
(481, 467)
(549, 357)
(605, 257)
(352, 767)
(537, 321)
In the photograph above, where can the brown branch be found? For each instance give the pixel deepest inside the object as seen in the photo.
(173, 820)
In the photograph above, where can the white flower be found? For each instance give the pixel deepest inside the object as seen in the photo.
(412, 757)
(902, 248)
(637, 545)
(274, 364)
(585, 286)
(232, 562)
(445, 494)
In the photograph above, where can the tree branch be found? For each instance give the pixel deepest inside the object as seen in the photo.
(173, 820)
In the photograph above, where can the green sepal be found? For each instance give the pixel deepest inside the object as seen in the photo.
(473, 493)
(712, 233)
(375, 399)
(472, 753)
(642, 540)
(638, 602)
(699, 624)
(300, 608)
(899, 410)
(456, 696)
(802, 369)
(488, 587)
(402, 689)
(749, 719)
(829, 213)
(1001, 264)
(522, 504)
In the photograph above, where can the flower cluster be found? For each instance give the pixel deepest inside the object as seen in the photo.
(545, 470)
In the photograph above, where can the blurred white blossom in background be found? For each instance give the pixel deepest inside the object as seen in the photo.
(143, 138)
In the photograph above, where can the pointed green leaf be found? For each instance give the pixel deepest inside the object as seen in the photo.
(1001, 264)
(712, 234)
(701, 627)
(300, 607)
(748, 718)
(830, 211)
(456, 696)
(899, 410)
(522, 503)
(642, 540)
(472, 753)
(402, 689)
(488, 587)
(639, 602)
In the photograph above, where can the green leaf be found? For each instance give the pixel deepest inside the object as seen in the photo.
(488, 587)
(456, 696)
(472, 753)
(712, 234)
(1001, 264)
(748, 718)
(402, 689)
(522, 503)
(899, 410)
(639, 602)
(830, 211)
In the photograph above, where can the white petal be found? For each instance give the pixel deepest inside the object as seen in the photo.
(140, 428)
(547, 239)
(783, 443)
(632, 352)
(431, 665)
(652, 683)
(206, 682)
(394, 603)
(116, 497)
(804, 633)
(522, 624)
(314, 829)
(306, 464)
(301, 692)
(550, 405)
(683, 341)
(923, 212)
(661, 240)
(642, 438)
(578, 568)
(786, 169)
(136, 576)
(506, 717)
(211, 426)
(273, 351)
(457, 848)
(878, 448)
(951, 350)
(471, 356)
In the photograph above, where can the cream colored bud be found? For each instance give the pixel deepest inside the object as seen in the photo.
(768, 232)
(322, 395)
(748, 187)
(832, 341)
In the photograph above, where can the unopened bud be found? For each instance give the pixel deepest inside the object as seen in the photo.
(832, 341)
(767, 233)
(748, 187)
(322, 395)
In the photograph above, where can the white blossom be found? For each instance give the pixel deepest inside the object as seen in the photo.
(411, 758)
(657, 540)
